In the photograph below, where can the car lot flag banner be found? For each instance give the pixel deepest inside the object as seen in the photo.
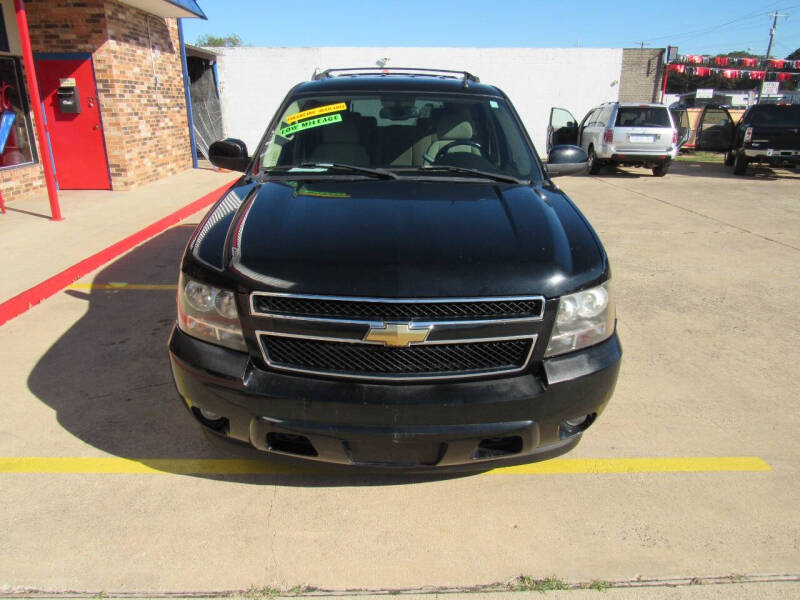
(758, 68)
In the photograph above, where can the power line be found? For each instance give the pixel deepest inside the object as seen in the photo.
(676, 36)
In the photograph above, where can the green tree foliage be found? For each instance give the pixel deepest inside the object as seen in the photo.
(742, 54)
(794, 55)
(225, 41)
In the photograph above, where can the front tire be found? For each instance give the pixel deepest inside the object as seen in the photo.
(740, 164)
(661, 169)
(592, 162)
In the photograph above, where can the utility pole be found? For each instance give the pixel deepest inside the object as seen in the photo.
(775, 16)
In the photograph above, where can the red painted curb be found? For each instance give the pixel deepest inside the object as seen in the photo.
(41, 291)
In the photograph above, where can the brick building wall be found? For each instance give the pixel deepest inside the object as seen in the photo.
(641, 74)
(21, 182)
(143, 99)
(139, 80)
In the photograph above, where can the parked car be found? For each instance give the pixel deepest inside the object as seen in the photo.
(616, 133)
(768, 133)
(395, 281)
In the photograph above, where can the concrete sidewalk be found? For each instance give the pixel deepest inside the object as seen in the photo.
(33, 247)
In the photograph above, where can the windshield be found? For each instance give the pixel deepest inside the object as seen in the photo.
(643, 116)
(401, 132)
(781, 116)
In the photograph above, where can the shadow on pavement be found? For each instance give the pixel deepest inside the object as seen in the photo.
(108, 379)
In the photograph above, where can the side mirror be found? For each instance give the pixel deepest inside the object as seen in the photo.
(229, 154)
(564, 160)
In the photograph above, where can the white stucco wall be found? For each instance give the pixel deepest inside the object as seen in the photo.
(253, 81)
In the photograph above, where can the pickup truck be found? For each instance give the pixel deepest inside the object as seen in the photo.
(768, 133)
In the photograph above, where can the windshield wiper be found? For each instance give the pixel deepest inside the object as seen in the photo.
(382, 173)
(478, 172)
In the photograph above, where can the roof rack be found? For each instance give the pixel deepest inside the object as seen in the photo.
(465, 76)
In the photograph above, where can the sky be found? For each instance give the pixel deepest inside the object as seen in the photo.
(696, 27)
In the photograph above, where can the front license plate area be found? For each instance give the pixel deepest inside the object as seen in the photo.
(393, 453)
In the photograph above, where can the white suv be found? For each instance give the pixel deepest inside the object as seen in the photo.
(629, 134)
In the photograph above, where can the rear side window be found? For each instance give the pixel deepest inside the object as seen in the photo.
(782, 116)
(643, 116)
(602, 120)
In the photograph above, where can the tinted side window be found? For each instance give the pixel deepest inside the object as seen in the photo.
(781, 116)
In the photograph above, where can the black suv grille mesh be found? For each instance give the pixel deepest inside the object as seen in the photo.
(398, 311)
(370, 359)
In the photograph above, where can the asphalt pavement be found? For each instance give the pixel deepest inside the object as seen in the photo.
(689, 476)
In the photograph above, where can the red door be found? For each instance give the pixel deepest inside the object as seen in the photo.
(76, 138)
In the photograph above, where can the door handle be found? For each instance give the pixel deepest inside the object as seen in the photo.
(96, 127)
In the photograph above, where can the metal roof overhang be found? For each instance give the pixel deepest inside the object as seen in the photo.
(168, 8)
(199, 52)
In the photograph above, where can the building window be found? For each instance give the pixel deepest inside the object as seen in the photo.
(16, 132)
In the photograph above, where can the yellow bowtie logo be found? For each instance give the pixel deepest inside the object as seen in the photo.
(397, 334)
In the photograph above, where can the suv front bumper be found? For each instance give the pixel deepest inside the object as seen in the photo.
(511, 419)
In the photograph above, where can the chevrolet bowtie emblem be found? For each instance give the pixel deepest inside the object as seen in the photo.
(397, 334)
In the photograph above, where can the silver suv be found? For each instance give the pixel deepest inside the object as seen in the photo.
(629, 134)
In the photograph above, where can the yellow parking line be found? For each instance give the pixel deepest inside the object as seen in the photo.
(639, 465)
(213, 466)
(121, 285)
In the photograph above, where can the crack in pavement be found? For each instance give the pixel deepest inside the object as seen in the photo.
(508, 586)
(699, 214)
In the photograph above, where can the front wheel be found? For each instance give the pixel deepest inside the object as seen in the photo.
(739, 164)
(661, 170)
(592, 163)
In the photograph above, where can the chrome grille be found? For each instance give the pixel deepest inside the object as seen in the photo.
(396, 339)
(398, 310)
(417, 360)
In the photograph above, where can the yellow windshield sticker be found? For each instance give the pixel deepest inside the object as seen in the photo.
(287, 131)
(315, 112)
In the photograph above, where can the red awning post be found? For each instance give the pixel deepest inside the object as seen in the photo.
(38, 114)
(664, 83)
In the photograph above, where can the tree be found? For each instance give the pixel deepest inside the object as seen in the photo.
(742, 54)
(226, 41)
(794, 55)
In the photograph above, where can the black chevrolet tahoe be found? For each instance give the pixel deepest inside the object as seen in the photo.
(768, 133)
(396, 282)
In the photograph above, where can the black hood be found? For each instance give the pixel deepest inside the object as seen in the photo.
(405, 238)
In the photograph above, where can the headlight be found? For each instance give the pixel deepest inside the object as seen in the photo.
(209, 314)
(584, 319)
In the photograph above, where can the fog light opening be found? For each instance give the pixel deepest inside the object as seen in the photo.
(498, 446)
(210, 419)
(209, 415)
(576, 425)
(290, 443)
